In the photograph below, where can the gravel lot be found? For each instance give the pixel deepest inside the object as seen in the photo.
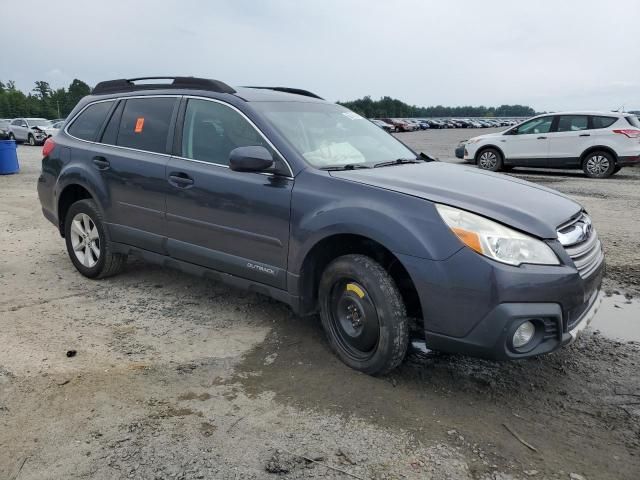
(177, 377)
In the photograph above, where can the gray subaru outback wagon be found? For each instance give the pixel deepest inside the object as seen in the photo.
(280, 192)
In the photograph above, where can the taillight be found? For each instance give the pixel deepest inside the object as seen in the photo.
(48, 147)
(629, 132)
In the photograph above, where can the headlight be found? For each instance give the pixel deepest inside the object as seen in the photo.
(495, 240)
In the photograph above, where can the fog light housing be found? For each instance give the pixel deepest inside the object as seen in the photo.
(523, 335)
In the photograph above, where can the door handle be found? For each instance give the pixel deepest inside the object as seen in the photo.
(542, 138)
(180, 179)
(101, 162)
(584, 135)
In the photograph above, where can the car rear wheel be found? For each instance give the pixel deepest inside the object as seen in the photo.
(32, 140)
(490, 159)
(88, 242)
(599, 165)
(363, 314)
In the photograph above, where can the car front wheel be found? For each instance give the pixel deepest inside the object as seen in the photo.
(32, 140)
(599, 165)
(363, 314)
(490, 159)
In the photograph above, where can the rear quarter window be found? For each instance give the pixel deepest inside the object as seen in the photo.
(145, 123)
(602, 122)
(89, 122)
(633, 121)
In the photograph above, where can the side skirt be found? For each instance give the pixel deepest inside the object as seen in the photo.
(197, 270)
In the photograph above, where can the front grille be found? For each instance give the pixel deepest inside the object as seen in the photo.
(581, 243)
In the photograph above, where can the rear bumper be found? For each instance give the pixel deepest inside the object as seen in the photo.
(629, 161)
(472, 305)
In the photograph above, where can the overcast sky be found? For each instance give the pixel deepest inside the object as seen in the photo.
(552, 55)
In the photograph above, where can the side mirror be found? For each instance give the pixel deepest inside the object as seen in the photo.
(250, 159)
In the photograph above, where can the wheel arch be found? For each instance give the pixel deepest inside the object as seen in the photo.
(598, 148)
(336, 245)
(485, 147)
(70, 194)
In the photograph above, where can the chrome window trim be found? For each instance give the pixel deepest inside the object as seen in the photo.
(215, 100)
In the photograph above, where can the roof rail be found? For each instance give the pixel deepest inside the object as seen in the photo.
(296, 91)
(129, 84)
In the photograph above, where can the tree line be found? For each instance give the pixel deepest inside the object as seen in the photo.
(42, 101)
(394, 108)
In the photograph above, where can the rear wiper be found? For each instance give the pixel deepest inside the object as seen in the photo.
(348, 166)
(399, 161)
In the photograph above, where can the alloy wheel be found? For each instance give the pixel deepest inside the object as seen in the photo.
(488, 160)
(85, 240)
(597, 165)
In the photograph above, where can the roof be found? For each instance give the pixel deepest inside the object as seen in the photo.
(175, 84)
(253, 94)
(588, 112)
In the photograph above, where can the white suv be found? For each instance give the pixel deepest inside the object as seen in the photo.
(600, 143)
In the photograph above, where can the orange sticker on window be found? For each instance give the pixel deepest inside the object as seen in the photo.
(139, 125)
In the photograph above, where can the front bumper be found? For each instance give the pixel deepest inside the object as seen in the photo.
(460, 151)
(472, 305)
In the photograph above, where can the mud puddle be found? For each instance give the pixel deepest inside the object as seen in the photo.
(618, 318)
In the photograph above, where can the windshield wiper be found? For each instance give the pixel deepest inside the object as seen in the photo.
(398, 161)
(348, 166)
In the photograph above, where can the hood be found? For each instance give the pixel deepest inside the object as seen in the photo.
(489, 135)
(520, 204)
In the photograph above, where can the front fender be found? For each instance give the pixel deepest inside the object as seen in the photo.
(323, 206)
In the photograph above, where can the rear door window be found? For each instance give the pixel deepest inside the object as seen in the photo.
(87, 125)
(602, 122)
(572, 123)
(145, 123)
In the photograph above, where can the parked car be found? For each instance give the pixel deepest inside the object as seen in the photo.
(437, 124)
(384, 125)
(4, 129)
(600, 143)
(28, 130)
(400, 125)
(298, 198)
(413, 124)
(53, 128)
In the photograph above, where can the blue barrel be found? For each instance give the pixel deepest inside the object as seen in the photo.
(8, 157)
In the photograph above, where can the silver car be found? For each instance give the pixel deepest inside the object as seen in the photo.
(28, 130)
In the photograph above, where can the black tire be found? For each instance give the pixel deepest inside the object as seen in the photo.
(616, 170)
(32, 140)
(363, 314)
(12, 137)
(599, 164)
(107, 263)
(489, 159)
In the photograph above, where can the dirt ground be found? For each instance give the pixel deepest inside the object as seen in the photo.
(175, 377)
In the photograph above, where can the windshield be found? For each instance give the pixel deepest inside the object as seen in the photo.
(329, 135)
